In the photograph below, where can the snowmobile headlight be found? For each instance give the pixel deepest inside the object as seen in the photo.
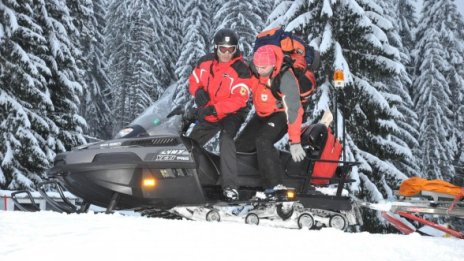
(291, 195)
(149, 182)
(124, 132)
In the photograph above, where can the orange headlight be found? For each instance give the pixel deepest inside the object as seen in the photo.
(149, 182)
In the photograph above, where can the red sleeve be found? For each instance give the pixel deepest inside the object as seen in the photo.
(239, 94)
(254, 82)
(294, 129)
(195, 80)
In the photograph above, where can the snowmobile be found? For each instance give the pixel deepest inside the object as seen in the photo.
(151, 165)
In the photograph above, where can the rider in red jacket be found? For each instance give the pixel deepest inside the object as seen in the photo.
(274, 116)
(220, 85)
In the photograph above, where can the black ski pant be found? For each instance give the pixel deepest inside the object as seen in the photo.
(259, 135)
(228, 126)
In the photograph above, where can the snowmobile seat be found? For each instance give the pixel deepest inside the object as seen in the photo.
(248, 163)
(248, 170)
(207, 167)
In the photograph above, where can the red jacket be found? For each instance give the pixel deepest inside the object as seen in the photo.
(226, 83)
(266, 104)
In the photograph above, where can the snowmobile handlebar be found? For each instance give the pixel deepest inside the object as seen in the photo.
(188, 117)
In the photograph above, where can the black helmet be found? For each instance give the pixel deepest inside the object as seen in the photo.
(225, 37)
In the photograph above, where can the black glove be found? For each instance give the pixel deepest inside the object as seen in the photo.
(201, 97)
(203, 112)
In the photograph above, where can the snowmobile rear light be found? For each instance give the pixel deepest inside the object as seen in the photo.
(149, 182)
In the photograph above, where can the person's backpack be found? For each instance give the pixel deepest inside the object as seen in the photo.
(299, 56)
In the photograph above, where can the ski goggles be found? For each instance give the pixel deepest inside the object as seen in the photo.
(227, 48)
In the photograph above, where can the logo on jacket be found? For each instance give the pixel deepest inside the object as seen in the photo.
(271, 124)
(264, 97)
(243, 91)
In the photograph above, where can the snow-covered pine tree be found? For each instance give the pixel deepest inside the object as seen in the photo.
(454, 45)
(245, 17)
(407, 22)
(136, 50)
(348, 39)
(195, 43)
(89, 21)
(66, 84)
(440, 26)
(26, 134)
(406, 131)
(173, 31)
(213, 8)
(433, 104)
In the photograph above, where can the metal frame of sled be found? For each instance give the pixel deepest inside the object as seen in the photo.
(410, 207)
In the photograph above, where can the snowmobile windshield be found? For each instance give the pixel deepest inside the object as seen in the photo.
(154, 121)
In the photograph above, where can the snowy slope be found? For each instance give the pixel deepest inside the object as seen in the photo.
(53, 236)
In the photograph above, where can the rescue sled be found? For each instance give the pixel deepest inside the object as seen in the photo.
(419, 198)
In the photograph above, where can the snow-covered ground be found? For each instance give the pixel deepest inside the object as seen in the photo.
(54, 236)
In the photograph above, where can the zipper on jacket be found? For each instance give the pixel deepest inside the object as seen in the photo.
(220, 85)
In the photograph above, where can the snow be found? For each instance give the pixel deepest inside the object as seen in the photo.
(327, 39)
(327, 9)
(299, 22)
(54, 236)
(380, 21)
(279, 11)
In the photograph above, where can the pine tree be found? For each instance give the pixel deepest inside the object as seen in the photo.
(407, 22)
(355, 40)
(434, 103)
(66, 82)
(245, 17)
(27, 134)
(406, 133)
(136, 50)
(441, 20)
(213, 9)
(195, 44)
(89, 21)
(173, 31)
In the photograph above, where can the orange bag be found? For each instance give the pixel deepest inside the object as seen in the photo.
(415, 185)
